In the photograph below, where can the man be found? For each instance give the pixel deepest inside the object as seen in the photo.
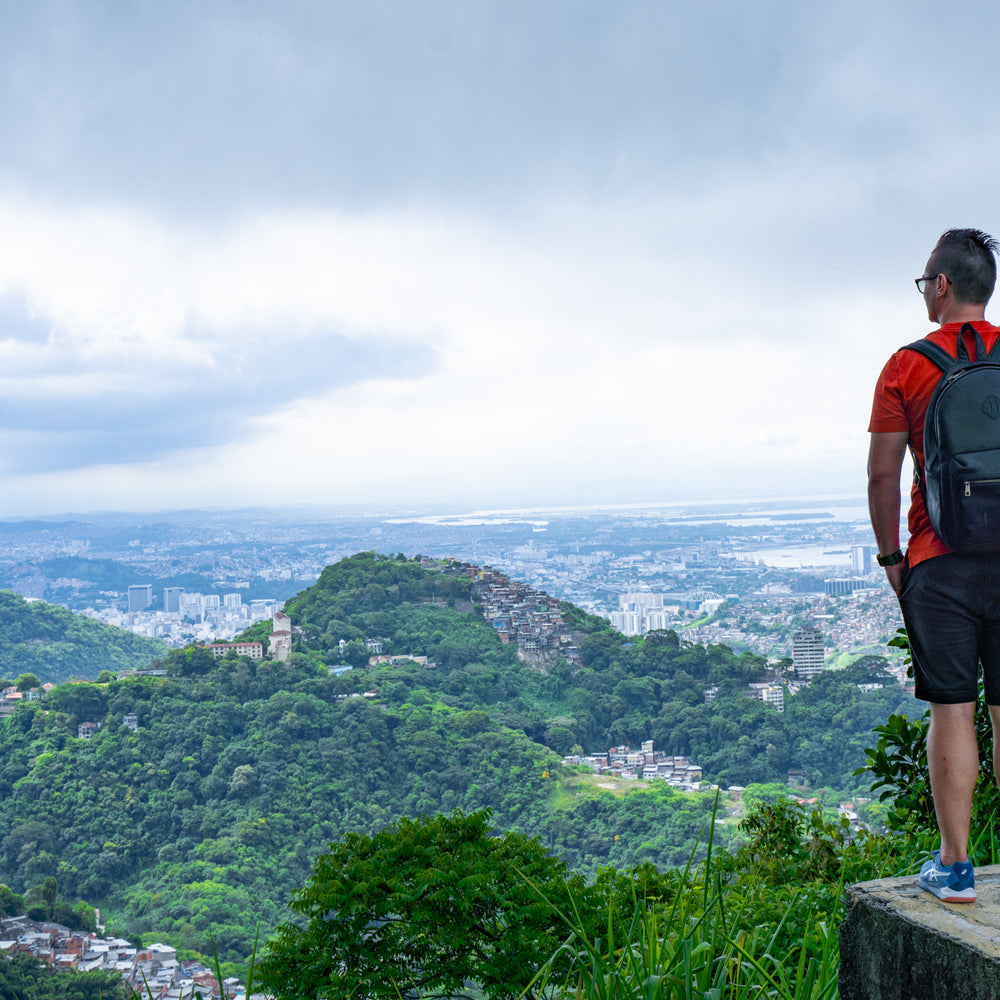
(950, 601)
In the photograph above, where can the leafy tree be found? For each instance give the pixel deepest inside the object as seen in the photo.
(86, 702)
(11, 904)
(424, 907)
(768, 793)
(27, 681)
(190, 661)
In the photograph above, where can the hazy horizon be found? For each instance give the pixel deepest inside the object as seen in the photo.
(460, 508)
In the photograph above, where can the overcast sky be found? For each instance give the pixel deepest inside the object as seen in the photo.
(479, 252)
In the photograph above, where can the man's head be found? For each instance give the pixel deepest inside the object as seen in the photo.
(965, 257)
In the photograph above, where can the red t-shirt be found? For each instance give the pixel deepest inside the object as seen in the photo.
(902, 394)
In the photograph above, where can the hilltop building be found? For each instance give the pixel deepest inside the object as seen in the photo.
(770, 694)
(255, 650)
(280, 641)
(520, 614)
(646, 764)
(153, 972)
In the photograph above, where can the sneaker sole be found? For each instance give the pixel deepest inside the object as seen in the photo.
(951, 895)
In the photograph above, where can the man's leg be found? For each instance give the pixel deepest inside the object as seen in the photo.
(953, 759)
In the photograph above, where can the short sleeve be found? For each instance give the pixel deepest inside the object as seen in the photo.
(888, 411)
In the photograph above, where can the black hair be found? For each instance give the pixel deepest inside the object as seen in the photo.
(966, 257)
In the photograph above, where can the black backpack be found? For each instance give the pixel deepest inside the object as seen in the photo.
(960, 481)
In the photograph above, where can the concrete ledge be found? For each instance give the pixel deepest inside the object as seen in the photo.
(898, 942)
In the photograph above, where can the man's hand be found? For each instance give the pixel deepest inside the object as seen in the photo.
(894, 574)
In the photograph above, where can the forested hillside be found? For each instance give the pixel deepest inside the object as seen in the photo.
(210, 815)
(54, 644)
(628, 690)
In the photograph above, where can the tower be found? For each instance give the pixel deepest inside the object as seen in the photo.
(172, 598)
(861, 560)
(807, 652)
(140, 597)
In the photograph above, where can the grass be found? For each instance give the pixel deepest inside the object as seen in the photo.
(736, 929)
(691, 953)
(704, 945)
(597, 783)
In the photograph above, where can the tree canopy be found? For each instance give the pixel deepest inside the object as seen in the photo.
(424, 907)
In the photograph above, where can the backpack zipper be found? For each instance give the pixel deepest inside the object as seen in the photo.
(978, 482)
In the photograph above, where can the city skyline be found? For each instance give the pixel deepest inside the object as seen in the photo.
(482, 255)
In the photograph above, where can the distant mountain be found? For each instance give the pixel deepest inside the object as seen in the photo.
(55, 644)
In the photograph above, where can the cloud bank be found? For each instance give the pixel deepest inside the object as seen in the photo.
(438, 251)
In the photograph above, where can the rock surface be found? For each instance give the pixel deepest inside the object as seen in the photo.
(898, 942)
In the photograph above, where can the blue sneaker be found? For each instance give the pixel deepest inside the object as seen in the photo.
(953, 883)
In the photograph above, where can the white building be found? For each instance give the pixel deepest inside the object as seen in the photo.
(807, 652)
(770, 694)
(627, 622)
(280, 641)
(640, 601)
(861, 560)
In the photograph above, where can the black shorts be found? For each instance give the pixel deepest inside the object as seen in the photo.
(951, 609)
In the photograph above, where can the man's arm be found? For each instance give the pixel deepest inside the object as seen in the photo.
(885, 463)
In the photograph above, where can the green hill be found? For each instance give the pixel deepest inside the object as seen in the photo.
(55, 644)
(211, 813)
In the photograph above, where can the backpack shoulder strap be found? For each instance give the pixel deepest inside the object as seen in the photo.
(934, 353)
(944, 361)
(942, 358)
(981, 354)
(994, 354)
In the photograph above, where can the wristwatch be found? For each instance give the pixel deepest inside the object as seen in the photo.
(891, 559)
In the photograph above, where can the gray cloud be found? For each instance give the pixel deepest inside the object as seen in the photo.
(213, 108)
(144, 411)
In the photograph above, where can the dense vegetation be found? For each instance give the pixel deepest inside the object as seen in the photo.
(627, 691)
(210, 816)
(55, 644)
(439, 908)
